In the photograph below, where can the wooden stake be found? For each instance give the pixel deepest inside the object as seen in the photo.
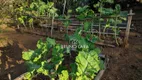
(128, 29)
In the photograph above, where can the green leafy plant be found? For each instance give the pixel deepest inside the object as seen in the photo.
(48, 59)
(87, 65)
(66, 20)
(38, 61)
(116, 17)
(27, 12)
(102, 11)
(87, 18)
(39, 8)
(19, 16)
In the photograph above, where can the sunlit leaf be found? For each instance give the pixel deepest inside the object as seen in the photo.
(27, 55)
(87, 64)
(64, 75)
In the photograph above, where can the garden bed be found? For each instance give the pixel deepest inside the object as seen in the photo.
(67, 61)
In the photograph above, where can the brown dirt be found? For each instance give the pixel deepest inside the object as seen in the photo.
(126, 63)
(11, 60)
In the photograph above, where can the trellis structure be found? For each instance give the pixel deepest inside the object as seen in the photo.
(126, 25)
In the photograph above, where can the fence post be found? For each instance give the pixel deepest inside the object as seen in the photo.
(128, 29)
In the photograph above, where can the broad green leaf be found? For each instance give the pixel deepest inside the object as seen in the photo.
(30, 20)
(51, 41)
(118, 21)
(123, 18)
(87, 64)
(21, 20)
(87, 25)
(40, 44)
(107, 25)
(109, 1)
(50, 4)
(27, 55)
(102, 66)
(123, 13)
(118, 9)
(81, 9)
(111, 21)
(73, 70)
(68, 50)
(64, 75)
(28, 76)
(32, 66)
(73, 67)
(43, 71)
(94, 39)
(96, 5)
(97, 50)
(66, 37)
(101, 19)
(81, 17)
(107, 11)
(37, 58)
(66, 23)
(69, 11)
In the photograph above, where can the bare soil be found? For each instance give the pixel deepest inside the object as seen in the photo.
(126, 63)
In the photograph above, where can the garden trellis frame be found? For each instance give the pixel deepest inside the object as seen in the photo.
(123, 26)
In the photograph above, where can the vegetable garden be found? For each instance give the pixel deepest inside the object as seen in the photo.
(67, 40)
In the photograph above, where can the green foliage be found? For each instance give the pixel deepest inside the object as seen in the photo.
(37, 59)
(84, 12)
(87, 25)
(41, 8)
(27, 55)
(48, 60)
(116, 17)
(66, 20)
(64, 75)
(87, 65)
(83, 42)
(25, 12)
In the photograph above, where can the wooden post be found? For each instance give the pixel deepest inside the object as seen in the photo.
(64, 6)
(128, 29)
(52, 25)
